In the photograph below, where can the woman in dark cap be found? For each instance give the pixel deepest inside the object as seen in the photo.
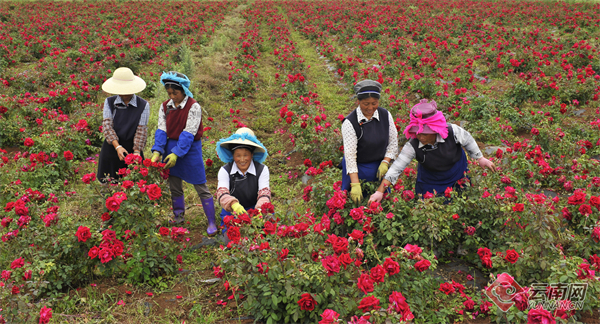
(370, 140)
(438, 147)
(179, 139)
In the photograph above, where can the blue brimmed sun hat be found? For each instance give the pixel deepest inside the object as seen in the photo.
(243, 138)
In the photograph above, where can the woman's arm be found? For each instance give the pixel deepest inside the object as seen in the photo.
(224, 198)
(350, 149)
(160, 136)
(264, 192)
(186, 138)
(141, 133)
(392, 149)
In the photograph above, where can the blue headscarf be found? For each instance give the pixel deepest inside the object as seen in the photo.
(184, 82)
(226, 155)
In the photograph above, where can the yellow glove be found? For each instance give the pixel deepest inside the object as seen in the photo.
(382, 170)
(155, 157)
(356, 192)
(238, 209)
(170, 160)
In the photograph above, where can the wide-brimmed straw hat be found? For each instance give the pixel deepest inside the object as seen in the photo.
(243, 138)
(124, 82)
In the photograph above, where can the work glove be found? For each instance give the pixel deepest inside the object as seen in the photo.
(356, 192)
(155, 157)
(376, 197)
(382, 170)
(485, 163)
(170, 160)
(238, 208)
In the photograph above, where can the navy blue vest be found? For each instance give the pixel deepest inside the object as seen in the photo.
(126, 121)
(441, 159)
(373, 136)
(244, 188)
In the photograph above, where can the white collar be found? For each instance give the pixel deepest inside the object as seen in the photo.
(251, 169)
(438, 139)
(360, 116)
(181, 105)
(132, 102)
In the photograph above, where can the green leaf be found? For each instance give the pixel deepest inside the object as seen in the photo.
(274, 298)
(564, 278)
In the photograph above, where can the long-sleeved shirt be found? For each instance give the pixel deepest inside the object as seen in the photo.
(351, 141)
(141, 133)
(226, 199)
(461, 136)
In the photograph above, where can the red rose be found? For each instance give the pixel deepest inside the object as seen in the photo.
(93, 253)
(595, 201)
(218, 272)
(270, 228)
(179, 259)
(398, 304)
(368, 303)
(377, 273)
(209, 162)
(345, 259)
(20, 208)
(518, 207)
(487, 262)
(127, 184)
(340, 246)
(413, 250)
(105, 217)
(511, 256)
(307, 302)
(365, 284)
(17, 263)
(331, 264)
(585, 210)
(144, 172)
(233, 234)
(540, 316)
(15, 290)
(329, 317)
(469, 304)
(577, 198)
(281, 256)
(455, 217)
(357, 236)
(307, 163)
(28, 142)
(113, 204)
(422, 265)
(83, 234)
(87, 178)
(268, 208)
(153, 191)
(68, 155)
(447, 288)
(391, 267)
(408, 195)
(482, 252)
(163, 231)
(117, 247)
(45, 315)
(106, 255)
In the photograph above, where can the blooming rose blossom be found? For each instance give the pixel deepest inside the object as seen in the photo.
(68, 155)
(307, 302)
(511, 256)
(391, 267)
(365, 284)
(329, 317)
(447, 288)
(540, 316)
(399, 305)
(17, 263)
(45, 315)
(377, 273)
(422, 265)
(331, 264)
(369, 303)
(83, 234)
(153, 191)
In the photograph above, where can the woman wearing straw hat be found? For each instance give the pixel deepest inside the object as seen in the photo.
(124, 125)
(438, 147)
(244, 180)
(179, 138)
(370, 140)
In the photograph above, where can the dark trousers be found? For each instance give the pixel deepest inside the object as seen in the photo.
(176, 185)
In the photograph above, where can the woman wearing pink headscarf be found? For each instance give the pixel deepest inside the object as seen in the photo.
(438, 147)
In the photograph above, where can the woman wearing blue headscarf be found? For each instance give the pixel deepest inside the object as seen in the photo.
(179, 139)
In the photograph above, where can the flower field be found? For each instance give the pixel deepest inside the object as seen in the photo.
(522, 77)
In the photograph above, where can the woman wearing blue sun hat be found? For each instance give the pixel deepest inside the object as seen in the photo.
(179, 139)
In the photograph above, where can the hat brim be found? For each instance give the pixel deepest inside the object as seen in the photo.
(426, 130)
(258, 148)
(121, 87)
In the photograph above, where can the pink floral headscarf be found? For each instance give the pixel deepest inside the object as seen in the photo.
(435, 123)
